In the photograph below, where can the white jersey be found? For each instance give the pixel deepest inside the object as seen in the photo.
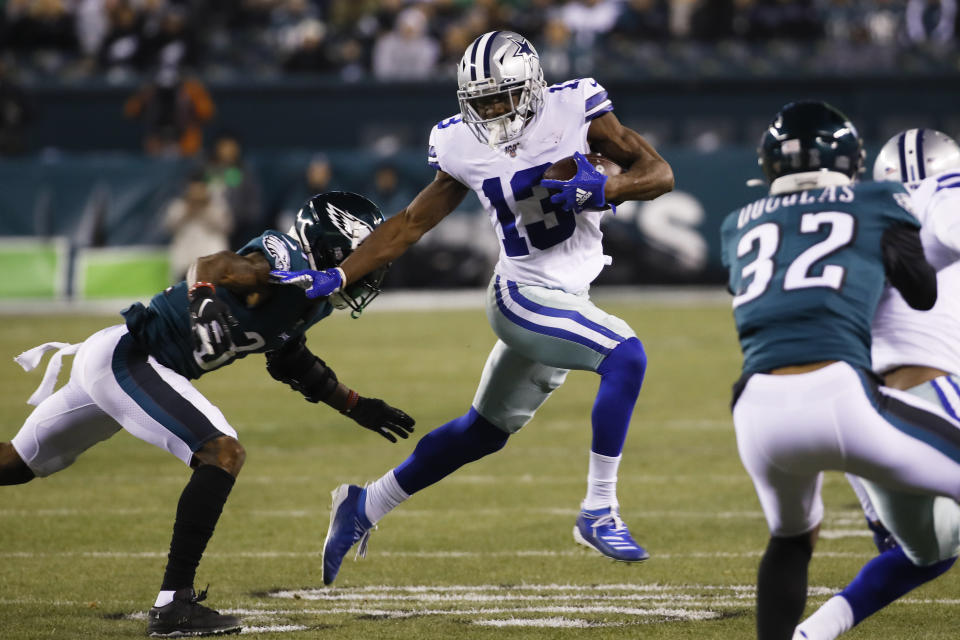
(904, 336)
(540, 244)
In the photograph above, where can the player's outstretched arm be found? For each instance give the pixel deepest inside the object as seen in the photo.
(647, 176)
(392, 238)
(295, 365)
(240, 274)
(211, 322)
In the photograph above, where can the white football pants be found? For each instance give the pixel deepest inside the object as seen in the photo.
(791, 428)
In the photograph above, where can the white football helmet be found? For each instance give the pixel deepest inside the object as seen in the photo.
(504, 64)
(914, 154)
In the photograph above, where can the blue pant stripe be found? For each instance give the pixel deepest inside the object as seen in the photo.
(553, 312)
(934, 430)
(946, 401)
(157, 398)
(548, 331)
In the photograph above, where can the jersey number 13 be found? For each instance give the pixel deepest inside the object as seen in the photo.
(541, 236)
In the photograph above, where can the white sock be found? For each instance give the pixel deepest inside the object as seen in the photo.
(831, 620)
(383, 496)
(601, 481)
(165, 598)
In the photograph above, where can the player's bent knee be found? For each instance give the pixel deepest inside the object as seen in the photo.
(628, 359)
(488, 433)
(471, 434)
(225, 452)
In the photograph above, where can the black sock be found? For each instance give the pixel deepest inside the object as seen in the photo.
(199, 509)
(782, 586)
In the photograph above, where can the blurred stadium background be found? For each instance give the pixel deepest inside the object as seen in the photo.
(113, 110)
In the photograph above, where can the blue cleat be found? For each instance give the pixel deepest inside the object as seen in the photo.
(348, 525)
(604, 531)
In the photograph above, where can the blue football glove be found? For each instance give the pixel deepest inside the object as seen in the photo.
(582, 191)
(315, 284)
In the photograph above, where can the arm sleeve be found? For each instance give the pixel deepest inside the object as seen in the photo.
(295, 365)
(907, 268)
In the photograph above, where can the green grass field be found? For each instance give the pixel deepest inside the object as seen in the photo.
(488, 553)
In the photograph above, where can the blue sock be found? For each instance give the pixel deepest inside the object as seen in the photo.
(885, 578)
(621, 375)
(447, 448)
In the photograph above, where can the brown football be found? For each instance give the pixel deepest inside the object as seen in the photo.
(567, 168)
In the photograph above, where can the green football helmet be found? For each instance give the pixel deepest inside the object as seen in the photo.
(329, 227)
(810, 136)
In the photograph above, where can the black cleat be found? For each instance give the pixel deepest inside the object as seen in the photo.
(186, 617)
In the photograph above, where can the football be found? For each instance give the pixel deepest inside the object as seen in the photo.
(567, 167)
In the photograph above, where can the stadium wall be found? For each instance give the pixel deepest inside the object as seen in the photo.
(117, 200)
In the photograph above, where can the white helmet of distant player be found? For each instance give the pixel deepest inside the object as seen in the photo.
(915, 154)
(500, 65)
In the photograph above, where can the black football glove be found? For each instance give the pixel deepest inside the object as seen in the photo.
(379, 417)
(210, 321)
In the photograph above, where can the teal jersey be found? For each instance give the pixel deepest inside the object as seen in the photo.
(163, 327)
(806, 272)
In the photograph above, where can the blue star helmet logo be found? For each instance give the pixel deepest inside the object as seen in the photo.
(522, 47)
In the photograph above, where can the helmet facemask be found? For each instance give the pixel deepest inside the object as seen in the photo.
(357, 295)
(523, 100)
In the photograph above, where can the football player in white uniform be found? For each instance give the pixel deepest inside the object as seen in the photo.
(510, 129)
(918, 352)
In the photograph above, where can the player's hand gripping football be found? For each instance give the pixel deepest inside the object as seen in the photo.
(210, 321)
(315, 284)
(582, 191)
(379, 417)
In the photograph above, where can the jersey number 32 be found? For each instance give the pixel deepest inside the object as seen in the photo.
(766, 239)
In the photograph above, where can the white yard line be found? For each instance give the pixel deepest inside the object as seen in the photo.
(522, 553)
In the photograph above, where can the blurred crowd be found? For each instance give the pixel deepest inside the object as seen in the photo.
(166, 54)
(395, 40)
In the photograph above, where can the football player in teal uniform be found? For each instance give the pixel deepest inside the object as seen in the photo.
(808, 265)
(136, 376)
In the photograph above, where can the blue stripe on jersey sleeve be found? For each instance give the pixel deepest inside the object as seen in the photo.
(599, 112)
(594, 100)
